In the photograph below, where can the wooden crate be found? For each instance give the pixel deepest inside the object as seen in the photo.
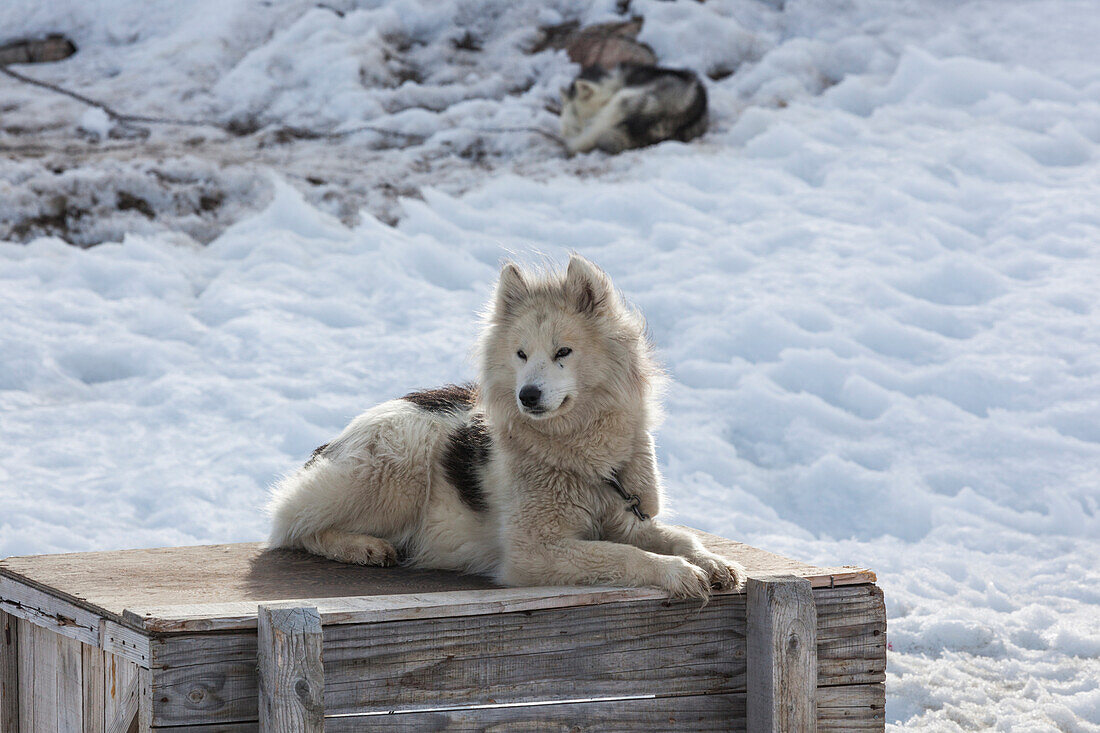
(166, 639)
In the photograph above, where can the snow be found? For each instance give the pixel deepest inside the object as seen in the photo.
(873, 282)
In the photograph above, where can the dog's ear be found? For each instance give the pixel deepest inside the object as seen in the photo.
(511, 289)
(585, 89)
(587, 286)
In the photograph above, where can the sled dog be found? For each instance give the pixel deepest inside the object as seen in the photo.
(543, 473)
(632, 106)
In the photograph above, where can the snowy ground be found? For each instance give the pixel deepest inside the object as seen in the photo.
(874, 283)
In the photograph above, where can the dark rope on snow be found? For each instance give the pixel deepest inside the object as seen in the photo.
(132, 121)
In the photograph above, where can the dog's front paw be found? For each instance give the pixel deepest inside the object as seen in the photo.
(722, 574)
(685, 580)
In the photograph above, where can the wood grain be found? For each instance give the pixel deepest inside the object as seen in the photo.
(145, 700)
(122, 699)
(396, 639)
(108, 583)
(39, 607)
(94, 692)
(291, 676)
(703, 713)
(781, 647)
(851, 708)
(26, 676)
(373, 609)
(211, 677)
(9, 672)
(44, 679)
(846, 708)
(125, 642)
(70, 685)
(45, 609)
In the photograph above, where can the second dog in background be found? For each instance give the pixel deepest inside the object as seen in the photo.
(632, 106)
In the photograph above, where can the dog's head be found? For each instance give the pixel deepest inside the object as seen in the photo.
(587, 95)
(563, 348)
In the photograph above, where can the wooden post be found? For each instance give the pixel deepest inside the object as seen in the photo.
(781, 651)
(290, 673)
(9, 672)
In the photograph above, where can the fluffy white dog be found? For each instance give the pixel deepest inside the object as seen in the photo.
(542, 474)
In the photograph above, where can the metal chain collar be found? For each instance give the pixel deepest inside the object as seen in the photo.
(633, 501)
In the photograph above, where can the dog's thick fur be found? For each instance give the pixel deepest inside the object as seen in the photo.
(632, 106)
(510, 478)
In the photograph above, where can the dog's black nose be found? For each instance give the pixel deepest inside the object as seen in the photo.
(530, 395)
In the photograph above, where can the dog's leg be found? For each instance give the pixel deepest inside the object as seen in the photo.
(362, 493)
(668, 540)
(640, 476)
(583, 562)
(349, 547)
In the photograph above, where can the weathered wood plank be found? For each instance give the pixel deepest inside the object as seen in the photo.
(851, 708)
(70, 686)
(234, 616)
(205, 678)
(9, 672)
(44, 681)
(241, 615)
(44, 609)
(40, 607)
(846, 708)
(374, 609)
(108, 583)
(212, 676)
(124, 642)
(121, 704)
(851, 635)
(145, 700)
(684, 713)
(26, 675)
(543, 654)
(781, 641)
(291, 675)
(94, 692)
(616, 649)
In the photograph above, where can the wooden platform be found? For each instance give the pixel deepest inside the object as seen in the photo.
(167, 637)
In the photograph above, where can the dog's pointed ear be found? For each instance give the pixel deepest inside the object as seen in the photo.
(511, 289)
(585, 89)
(587, 286)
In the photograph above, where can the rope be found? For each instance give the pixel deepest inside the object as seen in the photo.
(300, 132)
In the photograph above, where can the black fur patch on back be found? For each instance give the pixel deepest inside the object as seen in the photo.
(466, 453)
(641, 74)
(450, 398)
(592, 73)
(648, 129)
(317, 452)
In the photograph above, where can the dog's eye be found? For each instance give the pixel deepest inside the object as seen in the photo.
(563, 352)
(521, 355)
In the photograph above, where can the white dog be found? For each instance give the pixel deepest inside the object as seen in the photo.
(542, 474)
